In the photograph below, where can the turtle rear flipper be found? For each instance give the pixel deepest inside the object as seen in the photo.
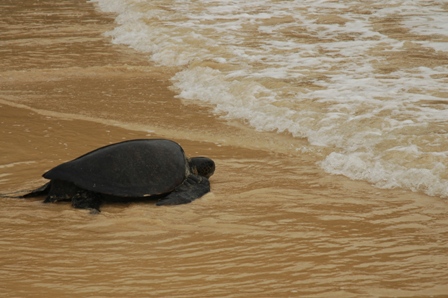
(43, 190)
(192, 188)
(84, 199)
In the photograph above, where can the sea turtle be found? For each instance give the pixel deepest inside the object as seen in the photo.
(126, 171)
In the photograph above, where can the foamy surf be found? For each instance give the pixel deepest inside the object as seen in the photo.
(365, 81)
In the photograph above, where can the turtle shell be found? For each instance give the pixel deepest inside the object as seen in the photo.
(136, 168)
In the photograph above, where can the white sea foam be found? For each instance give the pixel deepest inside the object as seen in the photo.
(310, 68)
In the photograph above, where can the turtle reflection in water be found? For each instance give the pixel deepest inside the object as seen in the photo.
(126, 171)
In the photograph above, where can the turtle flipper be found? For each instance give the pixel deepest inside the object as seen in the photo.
(43, 190)
(193, 187)
(59, 190)
(84, 199)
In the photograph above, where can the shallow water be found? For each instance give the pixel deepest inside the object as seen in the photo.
(275, 224)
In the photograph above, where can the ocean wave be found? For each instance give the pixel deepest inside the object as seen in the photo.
(358, 79)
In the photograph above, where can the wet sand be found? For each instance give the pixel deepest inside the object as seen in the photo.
(274, 225)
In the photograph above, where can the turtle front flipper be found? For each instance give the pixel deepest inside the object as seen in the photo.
(193, 187)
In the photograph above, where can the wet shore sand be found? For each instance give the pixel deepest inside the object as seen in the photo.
(274, 225)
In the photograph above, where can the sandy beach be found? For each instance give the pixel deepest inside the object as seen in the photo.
(274, 224)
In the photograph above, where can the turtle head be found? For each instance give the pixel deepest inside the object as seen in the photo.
(202, 166)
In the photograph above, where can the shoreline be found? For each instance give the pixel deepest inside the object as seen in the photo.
(274, 222)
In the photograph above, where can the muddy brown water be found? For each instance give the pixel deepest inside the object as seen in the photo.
(274, 225)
